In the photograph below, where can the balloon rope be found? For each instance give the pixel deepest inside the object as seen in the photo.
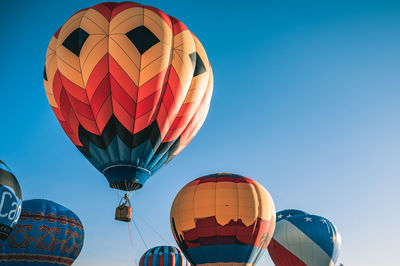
(133, 247)
(130, 235)
(140, 234)
(152, 228)
(118, 195)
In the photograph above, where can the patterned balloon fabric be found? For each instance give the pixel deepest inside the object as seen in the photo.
(163, 255)
(223, 219)
(46, 234)
(130, 86)
(304, 240)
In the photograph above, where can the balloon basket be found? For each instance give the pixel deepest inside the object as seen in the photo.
(123, 213)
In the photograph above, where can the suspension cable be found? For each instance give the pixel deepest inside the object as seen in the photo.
(133, 246)
(152, 228)
(140, 234)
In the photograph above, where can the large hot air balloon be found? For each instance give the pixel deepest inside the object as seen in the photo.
(130, 86)
(288, 213)
(223, 218)
(163, 255)
(46, 234)
(305, 240)
(10, 201)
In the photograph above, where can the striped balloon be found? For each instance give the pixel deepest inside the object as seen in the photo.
(223, 219)
(10, 201)
(305, 240)
(130, 85)
(163, 256)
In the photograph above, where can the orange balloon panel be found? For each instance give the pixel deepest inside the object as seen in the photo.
(130, 86)
(223, 218)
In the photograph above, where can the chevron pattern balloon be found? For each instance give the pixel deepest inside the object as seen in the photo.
(47, 233)
(130, 86)
(305, 240)
(163, 255)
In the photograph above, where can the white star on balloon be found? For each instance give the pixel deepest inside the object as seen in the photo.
(323, 221)
(280, 216)
(289, 215)
(308, 219)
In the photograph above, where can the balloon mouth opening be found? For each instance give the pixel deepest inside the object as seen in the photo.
(126, 177)
(126, 185)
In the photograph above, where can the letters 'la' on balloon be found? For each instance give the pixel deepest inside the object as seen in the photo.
(305, 240)
(10, 201)
(47, 233)
(288, 213)
(163, 255)
(130, 86)
(223, 218)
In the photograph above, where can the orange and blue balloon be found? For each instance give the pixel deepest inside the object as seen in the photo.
(223, 219)
(10, 201)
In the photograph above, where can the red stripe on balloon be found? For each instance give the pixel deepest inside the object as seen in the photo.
(123, 6)
(178, 25)
(161, 14)
(208, 232)
(281, 256)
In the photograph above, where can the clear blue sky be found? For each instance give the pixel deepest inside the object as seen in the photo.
(306, 101)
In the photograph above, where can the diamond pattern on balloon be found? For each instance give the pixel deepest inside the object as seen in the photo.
(142, 38)
(76, 40)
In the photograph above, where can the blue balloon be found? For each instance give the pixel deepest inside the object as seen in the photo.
(47, 234)
(10, 201)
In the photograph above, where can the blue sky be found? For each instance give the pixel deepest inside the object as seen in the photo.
(306, 102)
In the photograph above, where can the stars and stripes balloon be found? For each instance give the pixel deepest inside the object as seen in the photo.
(10, 201)
(223, 219)
(47, 233)
(163, 255)
(130, 86)
(305, 240)
(288, 213)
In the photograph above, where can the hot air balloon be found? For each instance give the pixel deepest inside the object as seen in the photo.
(223, 218)
(305, 240)
(163, 255)
(288, 213)
(130, 86)
(46, 234)
(10, 201)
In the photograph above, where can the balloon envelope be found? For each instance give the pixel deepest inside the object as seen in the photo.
(46, 234)
(163, 255)
(10, 201)
(130, 86)
(305, 240)
(288, 213)
(223, 218)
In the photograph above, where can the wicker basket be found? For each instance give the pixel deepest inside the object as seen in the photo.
(123, 213)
